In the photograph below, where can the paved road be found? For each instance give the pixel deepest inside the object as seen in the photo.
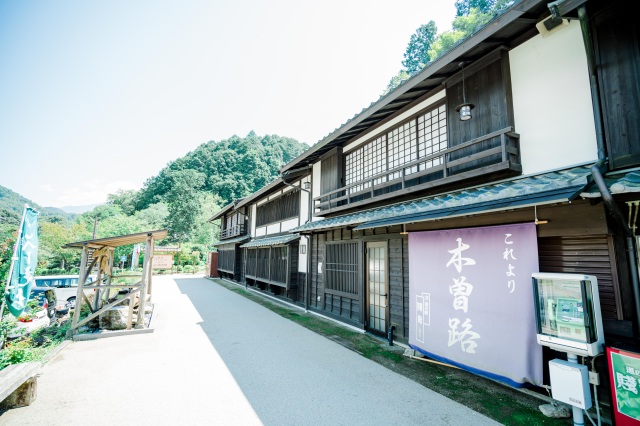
(216, 358)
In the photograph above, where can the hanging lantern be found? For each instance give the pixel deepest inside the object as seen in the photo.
(465, 108)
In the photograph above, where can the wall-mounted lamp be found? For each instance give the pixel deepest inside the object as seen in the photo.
(306, 185)
(465, 108)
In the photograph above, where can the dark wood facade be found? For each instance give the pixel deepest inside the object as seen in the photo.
(230, 261)
(460, 152)
(576, 239)
(273, 268)
(617, 49)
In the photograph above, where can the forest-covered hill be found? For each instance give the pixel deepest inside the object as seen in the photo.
(230, 168)
(181, 198)
(12, 205)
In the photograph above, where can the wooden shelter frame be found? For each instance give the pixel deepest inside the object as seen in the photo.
(104, 250)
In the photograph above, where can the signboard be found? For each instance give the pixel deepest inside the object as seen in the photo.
(624, 372)
(162, 261)
(471, 302)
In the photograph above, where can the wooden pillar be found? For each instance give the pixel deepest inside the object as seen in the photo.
(81, 280)
(144, 282)
(98, 282)
(112, 253)
(150, 285)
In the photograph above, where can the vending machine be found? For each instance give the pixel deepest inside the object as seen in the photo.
(568, 313)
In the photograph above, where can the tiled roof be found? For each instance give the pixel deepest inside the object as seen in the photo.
(271, 241)
(232, 240)
(562, 183)
(617, 182)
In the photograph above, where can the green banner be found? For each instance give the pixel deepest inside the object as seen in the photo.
(26, 252)
(626, 376)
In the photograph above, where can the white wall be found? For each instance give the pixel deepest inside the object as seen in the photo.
(304, 202)
(316, 185)
(414, 110)
(302, 258)
(289, 224)
(253, 208)
(552, 101)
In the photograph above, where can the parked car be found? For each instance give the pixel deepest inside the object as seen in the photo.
(33, 318)
(65, 287)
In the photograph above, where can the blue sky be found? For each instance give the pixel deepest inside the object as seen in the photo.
(100, 95)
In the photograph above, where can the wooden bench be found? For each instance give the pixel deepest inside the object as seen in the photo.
(18, 383)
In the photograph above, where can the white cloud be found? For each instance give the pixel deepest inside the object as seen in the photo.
(92, 191)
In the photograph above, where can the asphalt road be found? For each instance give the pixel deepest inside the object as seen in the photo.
(217, 358)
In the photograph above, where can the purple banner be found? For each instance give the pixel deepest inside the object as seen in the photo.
(471, 301)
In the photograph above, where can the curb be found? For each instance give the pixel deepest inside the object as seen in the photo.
(55, 351)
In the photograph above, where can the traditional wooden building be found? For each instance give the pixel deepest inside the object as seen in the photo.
(525, 133)
(261, 252)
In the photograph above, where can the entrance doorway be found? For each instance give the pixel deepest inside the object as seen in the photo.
(377, 287)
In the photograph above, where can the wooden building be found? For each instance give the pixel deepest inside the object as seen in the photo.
(256, 247)
(551, 144)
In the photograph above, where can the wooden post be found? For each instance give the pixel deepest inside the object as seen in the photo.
(153, 246)
(81, 280)
(97, 292)
(112, 254)
(145, 279)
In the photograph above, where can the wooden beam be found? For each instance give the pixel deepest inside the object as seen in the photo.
(146, 267)
(80, 292)
(107, 307)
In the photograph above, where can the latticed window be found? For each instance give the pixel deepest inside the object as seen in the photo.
(402, 147)
(432, 135)
(420, 137)
(282, 208)
(342, 267)
(366, 162)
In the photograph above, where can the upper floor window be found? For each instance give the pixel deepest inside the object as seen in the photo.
(282, 208)
(420, 137)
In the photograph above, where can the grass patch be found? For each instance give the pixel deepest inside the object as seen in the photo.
(495, 400)
(35, 346)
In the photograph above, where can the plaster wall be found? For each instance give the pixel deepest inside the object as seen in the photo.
(552, 101)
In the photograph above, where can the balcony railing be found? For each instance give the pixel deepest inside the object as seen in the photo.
(493, 153)
(233, 231)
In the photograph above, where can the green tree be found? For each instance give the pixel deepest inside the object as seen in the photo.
(205, 232)
(183, 202)
(463, 7)
(416, 56)
(396, 81)
(233, 168)
(153, 217)
(53, 236)
(462, 27)
(126, 200)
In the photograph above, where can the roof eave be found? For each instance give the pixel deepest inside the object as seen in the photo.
(453, 55)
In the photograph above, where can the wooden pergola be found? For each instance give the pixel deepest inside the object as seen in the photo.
(102, 252)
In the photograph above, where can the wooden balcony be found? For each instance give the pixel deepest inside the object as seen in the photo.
(233, 231)
(495, 154)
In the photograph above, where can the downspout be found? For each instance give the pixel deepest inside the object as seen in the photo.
(602, 164)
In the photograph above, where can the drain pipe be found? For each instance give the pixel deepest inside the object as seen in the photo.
(617, 215)
(390, 334)
(602, 164)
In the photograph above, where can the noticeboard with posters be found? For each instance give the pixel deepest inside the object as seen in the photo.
(162, 261)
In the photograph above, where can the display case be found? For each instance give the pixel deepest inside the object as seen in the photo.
(568, 312)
